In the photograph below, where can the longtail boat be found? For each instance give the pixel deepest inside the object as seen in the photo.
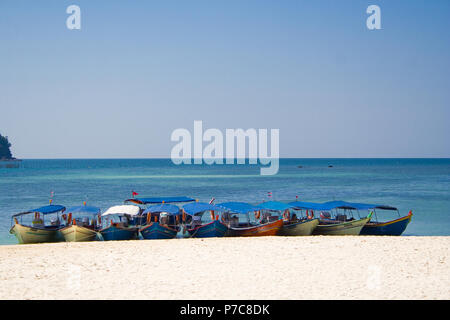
(249, 228)
(83, 223)
(292, 225)
(38, 231)
(122, 229)
(161, 222)
(389, 228)
(341, 224)
(197, 229)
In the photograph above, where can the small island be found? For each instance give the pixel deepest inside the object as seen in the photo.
(6, 158)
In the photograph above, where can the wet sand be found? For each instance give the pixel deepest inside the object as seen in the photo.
(316, 267)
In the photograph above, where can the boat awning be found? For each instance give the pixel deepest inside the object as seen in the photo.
(199, 207)
(44, 210)
(307, 205)
(155, 200)
(275, 206)
(84, 209)
(367, 206)
(169, 208)
(122, 210)
(239, 207)
(338, 205)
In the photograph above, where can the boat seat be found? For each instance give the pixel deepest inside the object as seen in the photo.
(325, 215)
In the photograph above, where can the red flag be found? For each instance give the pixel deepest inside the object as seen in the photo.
(134, 193)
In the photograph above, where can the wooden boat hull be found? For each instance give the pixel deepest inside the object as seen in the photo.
(26, 234)
(267, 229)
(157, 231)
(349, 228)
(112, 233)
(209, 230)
(390, 228)
(76, 233)
(302, 228)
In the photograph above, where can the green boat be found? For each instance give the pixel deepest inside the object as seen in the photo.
(339, 225)
(38, 231)
(292, 226)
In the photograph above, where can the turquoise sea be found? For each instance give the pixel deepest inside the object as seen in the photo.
(420, 185)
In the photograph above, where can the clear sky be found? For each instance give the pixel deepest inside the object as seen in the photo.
(137, 70)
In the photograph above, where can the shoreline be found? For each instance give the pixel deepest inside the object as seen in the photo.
(318, 267)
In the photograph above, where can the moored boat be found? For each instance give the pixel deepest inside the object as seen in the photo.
(83, 223)
(161, 222)
(38, 231)
(250, 227)
(122, 229)
(388, 228)
(292, 224)
(340, 224)
(195, 228)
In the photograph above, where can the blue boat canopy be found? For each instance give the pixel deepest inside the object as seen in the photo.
(155, 200)
(322, 206)
(84, 209)
(307, 205)
(338, 204)
(169, 208)
(44, 210)
(239, 207)
(275, 206)
(199, 207)
(366, 206)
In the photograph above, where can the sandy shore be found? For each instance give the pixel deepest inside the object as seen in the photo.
(230, 268)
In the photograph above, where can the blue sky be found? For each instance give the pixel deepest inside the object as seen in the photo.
(136, 71)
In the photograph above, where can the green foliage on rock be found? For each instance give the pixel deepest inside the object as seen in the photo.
(5, 151)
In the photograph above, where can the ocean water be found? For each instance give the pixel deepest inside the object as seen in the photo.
(420, 185)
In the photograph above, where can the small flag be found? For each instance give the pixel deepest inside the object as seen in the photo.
(134, 193)
(269, 194)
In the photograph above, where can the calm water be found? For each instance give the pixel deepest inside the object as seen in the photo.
(421, 185)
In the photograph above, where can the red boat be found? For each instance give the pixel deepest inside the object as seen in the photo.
(249, 228)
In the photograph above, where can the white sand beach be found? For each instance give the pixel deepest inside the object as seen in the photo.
(317, 267)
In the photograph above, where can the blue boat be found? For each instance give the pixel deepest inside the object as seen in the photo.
(117, 232)
(161, 222)
(122, 229)
(196, 229)
(388, 228)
